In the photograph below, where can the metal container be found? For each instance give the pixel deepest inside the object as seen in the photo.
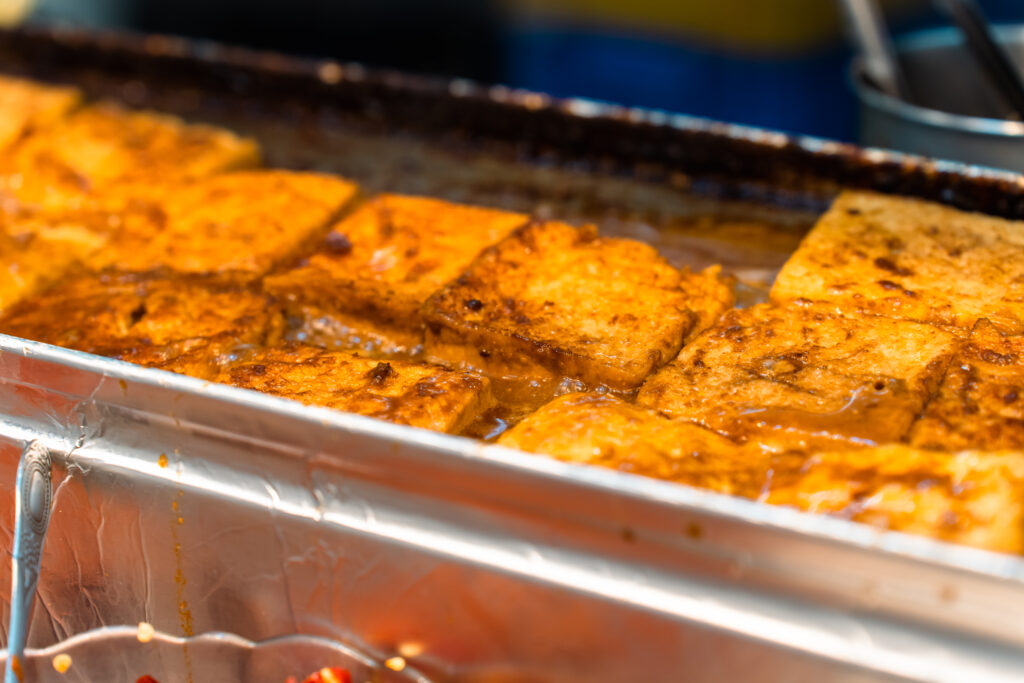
(200, 507)
(955, 113)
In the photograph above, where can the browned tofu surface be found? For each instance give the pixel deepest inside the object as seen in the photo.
(35, 254)
(235, 225)
(969, 497)
(598, 429)
(27, 106)
(910, 259)
(145, 321)
(408, 393)
(365, 284)
(106, 153)
(797, 377)
(554, 301)
(980, 403)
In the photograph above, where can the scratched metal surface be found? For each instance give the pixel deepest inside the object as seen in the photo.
(271, 518)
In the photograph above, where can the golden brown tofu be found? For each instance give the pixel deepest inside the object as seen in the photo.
(554, 301)
(145, 321)
(106, 154)
(980, 403)
(34, 256)
(974, 498)
(797, 377)
(408, 393)
(598, 429)
(27, 106)
(366, 283)
(910, 259)
(234, 226)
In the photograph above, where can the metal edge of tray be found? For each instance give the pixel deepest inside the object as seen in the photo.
(856, 595)
(533, 128)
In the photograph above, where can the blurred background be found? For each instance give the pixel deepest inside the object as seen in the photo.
(774, 63)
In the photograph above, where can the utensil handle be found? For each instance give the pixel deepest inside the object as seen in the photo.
(32, 499)
(987, 51)
(867, 28)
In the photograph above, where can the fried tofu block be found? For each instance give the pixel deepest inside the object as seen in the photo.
(408, 393)
(554, 301)
(910, 259)
(366, 283)
(980, 403)
(797, 377)
(235, 226)
(145, 321)
(599, 429)
(31, 257)
(27, 106)
(974, 498)
(103, 153)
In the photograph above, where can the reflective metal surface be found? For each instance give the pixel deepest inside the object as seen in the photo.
(956, 113)
(269, 518)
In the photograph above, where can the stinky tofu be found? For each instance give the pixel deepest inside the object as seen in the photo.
(980, 403)
(236, 225)
(366, 283)
(910, 259)
(145, 321)
(599, 429)
(27, 106)
(408, 393)
(799, 377)
(554, 301)
(103, 153)
(970, 497)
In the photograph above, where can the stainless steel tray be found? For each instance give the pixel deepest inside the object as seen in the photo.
(265, 517)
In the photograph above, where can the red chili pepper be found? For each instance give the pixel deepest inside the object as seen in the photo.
(146, 679)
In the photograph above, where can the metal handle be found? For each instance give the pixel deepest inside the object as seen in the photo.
(33, 495)
(867, 28)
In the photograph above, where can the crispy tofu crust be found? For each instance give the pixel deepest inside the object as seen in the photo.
(970, 497)
(371, 275)
(27, 106)
(980, 403)
(146, 321)
(798, 377)
(35, 252)
(104, 153)
(408, 393)
(554, 301)
(910, 259)
(599, 429)
(236, 225)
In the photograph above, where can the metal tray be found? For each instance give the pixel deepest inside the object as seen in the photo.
(266, 518)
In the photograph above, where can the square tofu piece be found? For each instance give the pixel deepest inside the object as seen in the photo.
(598, 429)
(33, 255)
(408, 393)
(910, 259)
(553, 301)
(969, 497)
(105, 153)
(980, 403)
(145, 321)
(234, 226)
(366, 283)
(27, 106)
(798, 377)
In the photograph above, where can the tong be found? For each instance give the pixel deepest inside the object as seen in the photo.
(33, 496)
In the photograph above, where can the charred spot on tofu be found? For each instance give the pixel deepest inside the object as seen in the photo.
(366, 282)
(910, 259)
(968, 497)
(553, 301)
(977, 404)
(404, 392)
(800, 377)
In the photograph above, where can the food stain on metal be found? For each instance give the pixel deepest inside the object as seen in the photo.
(628, 535)
(146, 632)
(61, 663)
(123, 385)
(162, 460)
(694, 531)
(395, 663)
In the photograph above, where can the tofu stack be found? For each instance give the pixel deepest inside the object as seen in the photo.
(883, 381)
